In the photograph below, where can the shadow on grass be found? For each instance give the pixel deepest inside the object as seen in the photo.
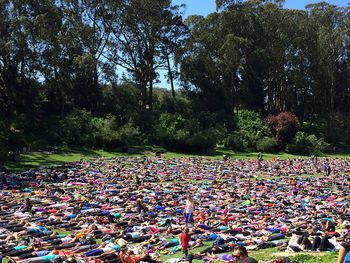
(20, 166)
(34, 160)
(235, 155)
(61, 156)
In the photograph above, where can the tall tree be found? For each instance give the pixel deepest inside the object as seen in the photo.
(137, 41)
(326, 24)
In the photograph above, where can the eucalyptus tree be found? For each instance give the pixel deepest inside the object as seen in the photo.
(140, 35)
(327, 52)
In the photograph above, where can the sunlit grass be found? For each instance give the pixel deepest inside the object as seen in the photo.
(37, 159)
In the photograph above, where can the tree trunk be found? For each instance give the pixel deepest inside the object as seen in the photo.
(170, 75)
(96, 91)
(150, 97)
(143, 89)
(331, 110)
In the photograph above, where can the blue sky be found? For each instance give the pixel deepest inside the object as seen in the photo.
(204, 7)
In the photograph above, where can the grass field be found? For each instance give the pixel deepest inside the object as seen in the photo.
(37, 159)
(274, 253)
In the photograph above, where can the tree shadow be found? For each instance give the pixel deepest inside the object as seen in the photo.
(236, 155)
(58, 157)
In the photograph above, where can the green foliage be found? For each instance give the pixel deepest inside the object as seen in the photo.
(203, 141)
(171, 123)
(103, 131)
(261, 64)
(77, 127)
(237, 140)
(3, 153)
(81, 128)
(306, 144)
(129, 135)
(267, 144)
(250, 129)
(175, 132)
(250, 121)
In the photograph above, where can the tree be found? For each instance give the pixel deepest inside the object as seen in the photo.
(326, 23)
(137, 40)
(211, 69)
(74, 44)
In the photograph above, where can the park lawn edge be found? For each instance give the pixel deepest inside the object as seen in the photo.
(35, 160)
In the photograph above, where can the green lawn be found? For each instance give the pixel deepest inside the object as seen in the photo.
(36, 159)
(273, 253)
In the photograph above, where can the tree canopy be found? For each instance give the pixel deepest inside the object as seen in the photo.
(103, 59)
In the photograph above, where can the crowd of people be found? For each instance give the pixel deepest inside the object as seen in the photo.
(137, 209)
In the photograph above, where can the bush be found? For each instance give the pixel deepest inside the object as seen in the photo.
(77, 128)
(236, 141)
(267, 144)
(306, 144)
(203, 141)
(177, 133)
(129, 135)
(249, 130)
(103, 131)
(250, 121)
(284, 126)
(3, 154)
(80, 128)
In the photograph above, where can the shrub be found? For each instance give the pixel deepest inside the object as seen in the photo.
(103, 131)
(307, 144)
(3, 154)
(80, 128)
(177, 133)
(77, 127)
(249, 130)
(267, 144)
(129, 135)
(236, 141)
(203, 141)
(284, 126)
(250, 121)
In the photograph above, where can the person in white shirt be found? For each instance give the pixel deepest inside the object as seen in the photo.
(189, 210)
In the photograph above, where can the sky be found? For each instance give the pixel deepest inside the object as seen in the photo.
(204, 7)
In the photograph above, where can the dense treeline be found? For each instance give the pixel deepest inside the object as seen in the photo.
(85, 72)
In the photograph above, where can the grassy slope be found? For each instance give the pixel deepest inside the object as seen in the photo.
(36, 159)
(273, 253)
(33, 160)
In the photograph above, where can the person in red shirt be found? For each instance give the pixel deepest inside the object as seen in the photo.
(185, 238)
(225, 219)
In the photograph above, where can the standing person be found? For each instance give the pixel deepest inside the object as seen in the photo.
(260, 158)
(141, 207)
(185, 238)
(189, 209)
